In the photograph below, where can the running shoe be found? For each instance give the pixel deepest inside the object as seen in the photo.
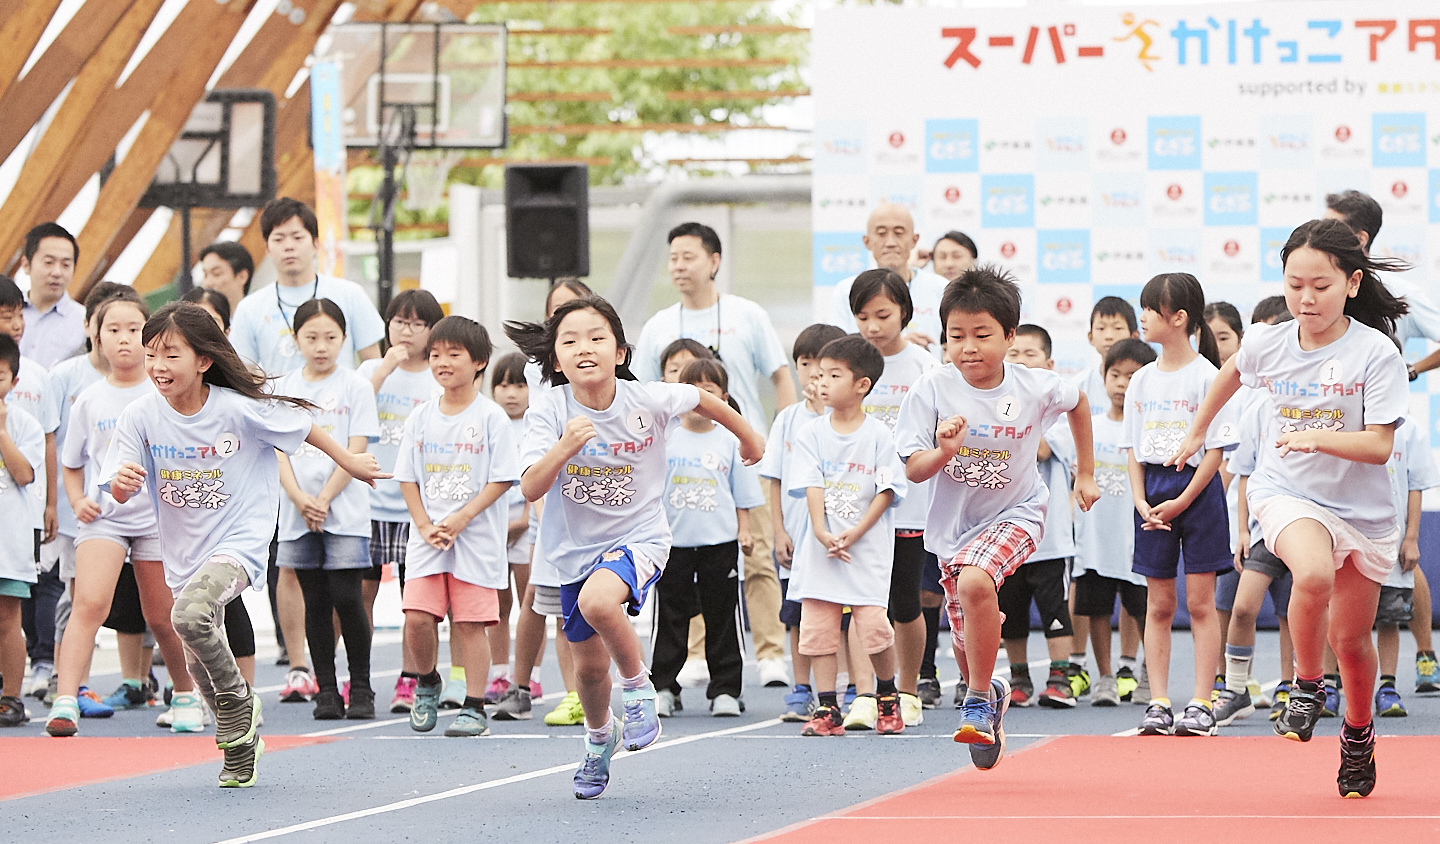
(1106, 693)
(241, 767)
(127, 696)
(1301, 713)
(237, 719)
(1022, 690)
(1158, 721)
(888, 720)
(535, 691)
(1079, 680)
(1282, 694)
(454, 695)
(166, 719)
(961, 692)
(773, 673)
(1257, 694)
(593, 777)
(187, 713)
(726, 706)
(1388, 703)
(911, 711)
(1331, 708)
(1427, 674)
(64, 717)
(514, 705)
(469, 723)
(1141, 695)
(1125, 683)
(12, 712)
(567, 713)
(849, 699)
(800, 705)
(827, 722)
(329, 706)
(928, 690)
(667, 703)
(40, 674)
(1059, 692)
(642, 724)
(91, 706)
(1357, 763)
(495, 690)
(404, 695)
(1197, 720)
(360, 706)
(985, 755)
(1233, 706)
(425, 712)
(297, 686)
(863, 713)
(1217, 687)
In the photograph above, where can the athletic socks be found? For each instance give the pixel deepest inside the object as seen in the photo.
(1019, 669)
(639, 681)
(978, 694)
(1237, 666)
(475, 703)
(1078, 660)
(1162, 701)
(430, 679)
(1385, 680)
(134, 684)
(500, 671)
(601, 736)
(1358, 734)
(1059, 665)
(410, 675)
(1333, 681)
(1129, 662)
(1204, 704)
(884, 687)
(828, 699)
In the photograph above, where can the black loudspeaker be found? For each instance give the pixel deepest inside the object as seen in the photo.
(547, 220)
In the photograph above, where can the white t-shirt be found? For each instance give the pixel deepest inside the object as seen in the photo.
(706, 482)
(92, 425)
(1230, 425)
(212, 477)
(1105, 536)
(515, 499)
(883, 404)
(17, 536)
(993, 477)
(1358, 380)
(1091, 382)
(69, 378)
(344, 408)
(260, 330)
(778, 464)
(34, 394)
(1059, 539)
(451, 459)
(1422, 320)
(1256, 434)
(609, 494)
(741, 329)
(1412, 469)
(399, 395)
(926, 290)
(1160, 407)
(852, 469)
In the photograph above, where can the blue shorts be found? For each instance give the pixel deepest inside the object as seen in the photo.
(930, 575)
(1200, 531)
(324, 550)
(622, 562)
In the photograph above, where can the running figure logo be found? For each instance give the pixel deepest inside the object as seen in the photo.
(1137, 31)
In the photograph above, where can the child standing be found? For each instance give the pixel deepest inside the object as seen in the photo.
(204, 444)
(22, 447)
(1111, 320)
(1176, 509)
(594, 449)
(325, 535)
(708, 492)
(1322, 494)
(457, 459)
(849, 474)
(975, 426)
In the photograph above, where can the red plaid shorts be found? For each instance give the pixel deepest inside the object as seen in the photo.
(998, 551)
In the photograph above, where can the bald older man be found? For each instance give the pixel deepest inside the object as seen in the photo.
(890, 236)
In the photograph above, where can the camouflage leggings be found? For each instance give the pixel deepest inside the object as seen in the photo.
(199, 619)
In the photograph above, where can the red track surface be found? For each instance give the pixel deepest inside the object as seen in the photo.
(1102, 788)
(37, 764)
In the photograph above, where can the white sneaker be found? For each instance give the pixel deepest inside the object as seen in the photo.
(187, 713)
(725, 706)
(694, 674)
(911, 712)
(665, 703)
(40, 674)
(773, 673)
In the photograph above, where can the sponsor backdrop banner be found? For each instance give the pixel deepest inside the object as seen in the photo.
(1087, 149)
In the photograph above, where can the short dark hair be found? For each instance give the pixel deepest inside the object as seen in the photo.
(1271, 307)
(959, 239)
(10, 353)
(857, 353)
(509, 369)
(684, 344)
(280, 209)
(44, 230)
(1361, 212)
(418, 303)
(984, 288)
(1030, 329)
(237, 256)
(1227, 312)
(465, 333)
(1128, 349)
(813, 338)
(10, 295)
(312, 308)
(1113, 306)
(713, 370)
(571, 283)
(882, 282)
(708, 238)
(218, 302)
(104, 291)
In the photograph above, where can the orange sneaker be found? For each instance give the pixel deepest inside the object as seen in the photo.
(890, 722)
(827, 722)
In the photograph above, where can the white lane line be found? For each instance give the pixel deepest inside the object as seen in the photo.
(482, 786)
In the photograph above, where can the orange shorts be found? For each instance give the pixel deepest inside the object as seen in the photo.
(820, 628)
(439, 594)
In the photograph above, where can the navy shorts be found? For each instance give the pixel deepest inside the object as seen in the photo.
(930, 575)
(622, 562)
(1200, 531)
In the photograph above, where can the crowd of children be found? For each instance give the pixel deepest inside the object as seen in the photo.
(909, 477)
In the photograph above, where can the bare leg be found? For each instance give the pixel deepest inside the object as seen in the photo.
(1350, 625)
(497, 636)
(1132, 631)
(1387, 643)
(290, 604)
(128, 646)
(157, 602)
(1305, 546)
(1420, 626)
(474, 634)
(826, 671)
(12, 646)
(801, 663)
(862, 673)
(1100, 641)
(529, 639)
(422, 640)
(1204, 628)
(910, 652)
(1287, 651)
(96, 572)
(977, 596)
(1159, 615)
(565, 658)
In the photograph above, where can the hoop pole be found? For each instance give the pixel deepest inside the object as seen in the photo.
(385, 249)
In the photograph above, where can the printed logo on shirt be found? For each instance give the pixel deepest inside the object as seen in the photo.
(689, 493)
(1280, 388)
(1311, 419)
(842, 500)
(1162, 439)
(1000, 432)
(197, 489)
(986, 470)
(599, 449)
(1112, 478)
(448, 482)
(394, 409)
(611, 487)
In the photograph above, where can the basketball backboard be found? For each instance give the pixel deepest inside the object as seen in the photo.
(449, 77)
(224, 157)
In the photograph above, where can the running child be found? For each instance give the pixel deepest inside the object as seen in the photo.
(203, 446)
(1322, 493)
(847, 470)
(880, 302)
(708, 493)
(975, 425)
(325, 532)
(1105, 538)
(791, 515)
(594, 449)
(457, 460)
(22, 447)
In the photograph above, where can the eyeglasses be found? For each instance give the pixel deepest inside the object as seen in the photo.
(416, 326)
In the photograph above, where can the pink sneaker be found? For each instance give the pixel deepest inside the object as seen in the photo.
(498, 687)
(345, 692)
(535, 692)
(298, 684)
(404, 697)
(314, 685)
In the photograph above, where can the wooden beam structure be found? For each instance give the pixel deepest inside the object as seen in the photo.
(24, 23)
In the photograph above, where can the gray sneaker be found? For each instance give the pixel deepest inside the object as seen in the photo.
(1233, 706)
(1196, 720)
(666, 702)
(1105, 692)
(425, 712)
(1141, 695)
(514, 705)
(726, 706)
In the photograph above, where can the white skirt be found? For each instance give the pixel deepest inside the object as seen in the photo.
(1374, 558)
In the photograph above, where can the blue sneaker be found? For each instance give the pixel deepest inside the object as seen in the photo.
(799, 705)
(642, 723)
(850, 695)
(982, 726)
(594, 774)
(129, 697)
(1388, 703)
(1427, 674)
(1331, 709)
(91, 706)
(425, 712)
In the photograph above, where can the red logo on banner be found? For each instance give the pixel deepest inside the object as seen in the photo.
(897, 139)
(1063, 305)
(1007, 250)
(1342, 133)
(1399, 189)
(1117, 137)
(952, 194)
(1232, 248)
(1174, 191)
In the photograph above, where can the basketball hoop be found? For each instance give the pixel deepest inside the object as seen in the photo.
(425, 178)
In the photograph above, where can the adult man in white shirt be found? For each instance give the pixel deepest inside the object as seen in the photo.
(890, 236)
(742, 335)
(54, 323)
(227, 268)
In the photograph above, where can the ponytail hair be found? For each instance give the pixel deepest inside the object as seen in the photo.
(710, 370)
(1169, 293)
(194, 326)
(1372, 304)
(537, 339)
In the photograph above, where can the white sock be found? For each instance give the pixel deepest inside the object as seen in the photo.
(1237, 667)
(600, 736)
(499, 671)
(1128, 662)
(639, 681)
